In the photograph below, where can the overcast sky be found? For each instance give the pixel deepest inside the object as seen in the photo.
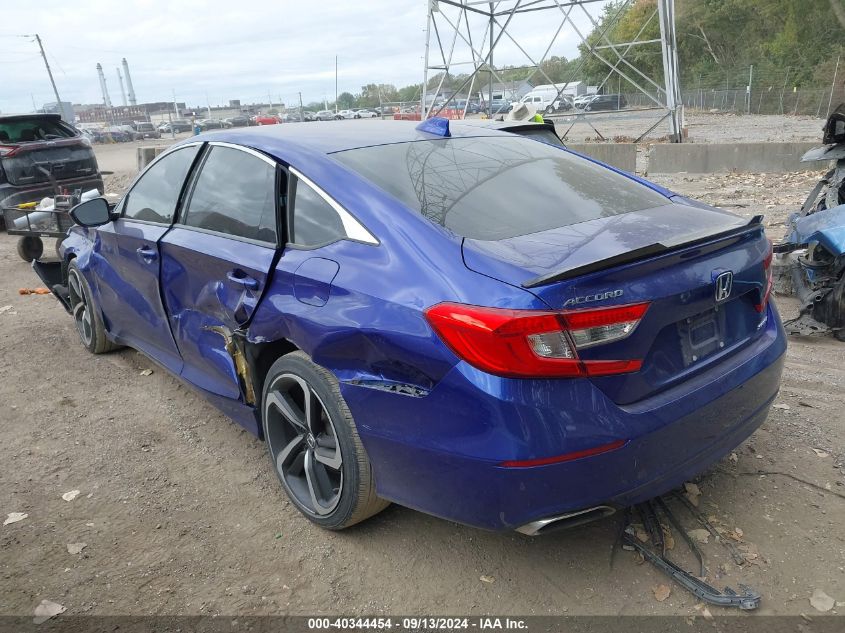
(236, 50)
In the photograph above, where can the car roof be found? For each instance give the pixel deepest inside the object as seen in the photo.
(337, 136)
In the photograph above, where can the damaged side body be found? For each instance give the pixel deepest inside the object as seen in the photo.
(810, 261)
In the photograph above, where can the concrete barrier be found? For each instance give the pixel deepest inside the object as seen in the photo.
(147, 154)
(620, 155)
(707, 158)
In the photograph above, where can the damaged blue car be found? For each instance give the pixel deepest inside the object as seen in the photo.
(487, 328)
(810, 260)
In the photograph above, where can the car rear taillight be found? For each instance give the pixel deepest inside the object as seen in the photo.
(532, 343)
(767, 269)
(8, 150)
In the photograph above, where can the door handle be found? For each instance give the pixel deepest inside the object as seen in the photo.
(147, 253)
(240, 278)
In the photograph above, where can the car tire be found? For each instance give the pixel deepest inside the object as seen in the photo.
(550, 110)
(86, 315)
(334, 489)
(30, 248)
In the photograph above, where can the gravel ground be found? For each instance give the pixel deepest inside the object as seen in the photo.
(180, 512)
(704, 127)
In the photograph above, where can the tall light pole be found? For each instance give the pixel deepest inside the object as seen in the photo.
(50, 73)
(335, 84)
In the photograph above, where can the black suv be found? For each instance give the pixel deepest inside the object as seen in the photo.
(606, 102)
(36, 149)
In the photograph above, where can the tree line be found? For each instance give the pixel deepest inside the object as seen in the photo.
(796, 41)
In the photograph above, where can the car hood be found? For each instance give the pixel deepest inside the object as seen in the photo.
(525, 258)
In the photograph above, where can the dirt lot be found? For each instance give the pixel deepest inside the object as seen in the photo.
(181, 513)
(704, 127)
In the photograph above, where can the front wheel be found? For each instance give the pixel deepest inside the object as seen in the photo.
(86, 315)
(550, 110)
(314, 445)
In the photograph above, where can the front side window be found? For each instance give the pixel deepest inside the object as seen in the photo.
(235, 194)
(155, 195)
(315, 221)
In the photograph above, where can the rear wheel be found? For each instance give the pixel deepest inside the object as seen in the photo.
(314, 445)
(89, 323)
(30, 248)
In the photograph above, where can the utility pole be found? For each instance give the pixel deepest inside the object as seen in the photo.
(490, 60)
(301, 117)
(833, 85)
(748, 91)
(335, 84)
(50, 73)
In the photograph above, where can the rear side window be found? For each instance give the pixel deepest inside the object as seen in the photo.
(235, 194)
(28, 129)
(154, 196)
(498, 187)
(315, 221)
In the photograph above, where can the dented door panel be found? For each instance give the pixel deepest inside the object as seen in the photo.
(211, 285)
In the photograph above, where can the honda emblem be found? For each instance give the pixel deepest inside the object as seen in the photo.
(724, 284)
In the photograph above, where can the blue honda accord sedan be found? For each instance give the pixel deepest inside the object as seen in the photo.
(478, 325)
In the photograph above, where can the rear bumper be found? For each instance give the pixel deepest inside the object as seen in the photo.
(441, 453)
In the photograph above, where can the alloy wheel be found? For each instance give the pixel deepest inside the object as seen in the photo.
(80, 309)
(304, 444)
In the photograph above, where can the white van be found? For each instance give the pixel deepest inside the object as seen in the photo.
(543, 98)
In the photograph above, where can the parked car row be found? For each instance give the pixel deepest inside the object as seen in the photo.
(547, 99)
(117, 134)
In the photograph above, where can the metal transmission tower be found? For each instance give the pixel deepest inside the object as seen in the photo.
(463, 37)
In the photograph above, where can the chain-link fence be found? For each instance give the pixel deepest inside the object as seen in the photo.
(745, 91)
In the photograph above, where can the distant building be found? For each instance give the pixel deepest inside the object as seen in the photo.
(98, 113)
(510, 90)
(64, 108)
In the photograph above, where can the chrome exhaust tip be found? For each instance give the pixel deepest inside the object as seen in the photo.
(563, 521)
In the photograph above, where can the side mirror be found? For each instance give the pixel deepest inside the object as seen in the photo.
(94, 212)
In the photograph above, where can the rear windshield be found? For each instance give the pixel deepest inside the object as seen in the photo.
(494, 188)
(24, 130)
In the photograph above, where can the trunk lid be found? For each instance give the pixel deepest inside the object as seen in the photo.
(669, 256)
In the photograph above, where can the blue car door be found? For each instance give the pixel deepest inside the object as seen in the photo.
(127, 276)
(217, 258)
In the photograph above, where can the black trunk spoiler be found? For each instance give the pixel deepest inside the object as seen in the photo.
(658, 248)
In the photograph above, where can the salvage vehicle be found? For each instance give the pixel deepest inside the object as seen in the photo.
(810, 260)
(398, 311)
(146, 130)
(40, 152)
(266, 119)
